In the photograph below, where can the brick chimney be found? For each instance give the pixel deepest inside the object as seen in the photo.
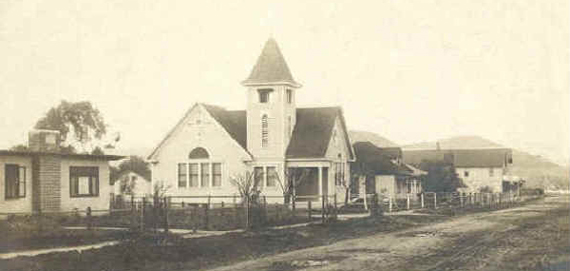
(44, 140)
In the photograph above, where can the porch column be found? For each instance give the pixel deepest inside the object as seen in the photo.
(320, 180)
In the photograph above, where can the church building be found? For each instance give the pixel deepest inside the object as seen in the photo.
(272, 139)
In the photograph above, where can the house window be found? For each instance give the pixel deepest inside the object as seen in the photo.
(84, 181)
(182, 175)
(339, 173)
(466, 174)
(205, 175)
(15, 178)
(264, 131)
(216, 174)
(491, 172)
(264, 95)
(194, 177)
(289, 96)
(258, 176)
(271, 176)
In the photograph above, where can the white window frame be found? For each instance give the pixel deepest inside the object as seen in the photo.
(210, 176)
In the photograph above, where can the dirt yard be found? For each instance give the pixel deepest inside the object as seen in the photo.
(532, 237)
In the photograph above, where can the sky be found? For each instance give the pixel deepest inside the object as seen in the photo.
(410, 71)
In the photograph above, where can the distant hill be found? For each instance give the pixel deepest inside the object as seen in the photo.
(536, 170)
(459, 142)
(376, 139)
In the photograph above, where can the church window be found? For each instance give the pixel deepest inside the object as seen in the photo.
(264, 131)
(264, 95)
(199, 153)
(289, 96)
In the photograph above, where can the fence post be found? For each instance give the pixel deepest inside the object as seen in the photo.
(408, 201)
(265, 209)
(335, 207)
(246, 212)
(206, 212)
(310, 209)
(166, 206)
(89, 221)
(293, 203)
(461, 199)
(389, 203)
(323, 209)
(143, 207)
(195, 221)
(132, 202)
(422, 199)
(434, 200)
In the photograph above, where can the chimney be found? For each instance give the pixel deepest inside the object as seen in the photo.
(44, 140)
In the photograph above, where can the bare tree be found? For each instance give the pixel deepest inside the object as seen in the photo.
(247, 184)
(293, 177)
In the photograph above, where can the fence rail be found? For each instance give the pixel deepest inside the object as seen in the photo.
(234, 212)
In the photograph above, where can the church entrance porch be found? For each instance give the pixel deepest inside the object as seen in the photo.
(310, 183)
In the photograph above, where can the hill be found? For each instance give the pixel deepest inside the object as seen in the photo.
(536, 170)
(376, 139)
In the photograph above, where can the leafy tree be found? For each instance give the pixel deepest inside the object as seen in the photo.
(441, 177)
(81, 119)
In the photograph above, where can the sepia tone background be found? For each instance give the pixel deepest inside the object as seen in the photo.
(411, 71)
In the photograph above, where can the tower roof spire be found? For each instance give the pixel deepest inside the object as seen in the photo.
(270, 68)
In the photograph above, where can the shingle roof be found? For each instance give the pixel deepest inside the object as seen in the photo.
(462, 157)
(310, 137)
(234, 121)
(312, 132)
(270, 67)
(370, 158)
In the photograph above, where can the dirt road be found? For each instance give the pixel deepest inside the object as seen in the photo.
(532, 237)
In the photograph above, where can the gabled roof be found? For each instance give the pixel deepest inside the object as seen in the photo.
(495, 157)
(234, 121)
(371, 159)
(313, 131)
(270, 67)
(310, 137)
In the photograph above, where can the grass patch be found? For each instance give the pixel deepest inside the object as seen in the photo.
(160, 252)
(33, 232)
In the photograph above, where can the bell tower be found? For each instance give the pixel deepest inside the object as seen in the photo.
(271, 110)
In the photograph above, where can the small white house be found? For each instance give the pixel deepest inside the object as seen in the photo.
(42, 179)
(132, 183)
(480, 169)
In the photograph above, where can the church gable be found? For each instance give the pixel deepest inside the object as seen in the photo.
(199, 128)
(338, 147)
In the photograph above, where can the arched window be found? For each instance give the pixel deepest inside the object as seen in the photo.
(199, 153)
(264, 131)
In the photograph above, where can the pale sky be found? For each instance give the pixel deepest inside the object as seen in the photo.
(409, 70)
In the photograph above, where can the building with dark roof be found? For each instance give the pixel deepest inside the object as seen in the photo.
(43, 179)
(272, 138)
(481, 169)
(382, 171)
